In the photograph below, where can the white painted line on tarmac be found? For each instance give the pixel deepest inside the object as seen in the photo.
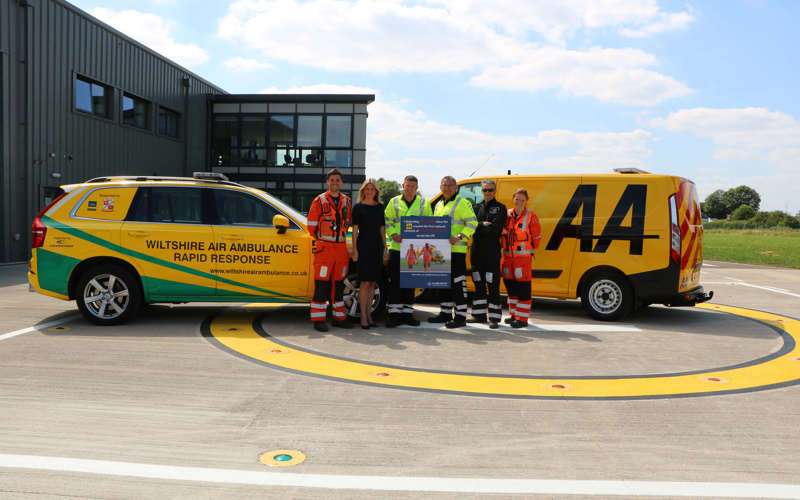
(706, 264)
(402, 483)
(38, 327)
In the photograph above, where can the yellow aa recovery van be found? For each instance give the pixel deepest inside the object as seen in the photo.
(616, 241)
(114, 243)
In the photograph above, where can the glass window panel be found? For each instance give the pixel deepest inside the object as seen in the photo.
(167, 122)
(337, 134)
(311, 157)
(284, 195)
(83, 95)
(134, 112)
(99, 100)
(226, 134)
(254, 131)
(281, 130)
(472, 192)
(283, 157)
(338, 158)
(252, 155)
(182, 205)
(309, 130)
(239, 209)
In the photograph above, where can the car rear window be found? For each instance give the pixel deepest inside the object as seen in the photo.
(168, 204)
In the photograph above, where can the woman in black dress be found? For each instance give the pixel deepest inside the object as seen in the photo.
(369, 245)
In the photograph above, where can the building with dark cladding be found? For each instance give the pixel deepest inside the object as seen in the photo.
(78, 99)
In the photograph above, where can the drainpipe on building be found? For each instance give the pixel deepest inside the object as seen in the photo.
(185, 82)
(24, 236)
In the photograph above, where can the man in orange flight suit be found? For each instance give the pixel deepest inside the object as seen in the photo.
(521, 236)
(411, 257)
(427, 254)
(328, 220)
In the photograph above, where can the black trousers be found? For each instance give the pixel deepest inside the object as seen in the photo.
(486, 274)
(456, 296)
(400, 300)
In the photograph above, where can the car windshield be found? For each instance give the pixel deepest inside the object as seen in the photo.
(287, 209)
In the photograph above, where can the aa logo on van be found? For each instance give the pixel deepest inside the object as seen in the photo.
(633, 199)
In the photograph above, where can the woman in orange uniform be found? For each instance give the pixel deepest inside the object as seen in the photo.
(521, 236)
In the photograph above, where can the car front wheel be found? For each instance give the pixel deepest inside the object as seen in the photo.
(350, 296)
(108, 294)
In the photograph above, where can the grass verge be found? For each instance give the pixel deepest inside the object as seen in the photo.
(774, 247)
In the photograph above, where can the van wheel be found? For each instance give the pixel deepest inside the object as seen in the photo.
(607, 296)
(108, 294)
(350, 296)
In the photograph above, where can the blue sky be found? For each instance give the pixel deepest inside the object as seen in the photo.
(704, 90)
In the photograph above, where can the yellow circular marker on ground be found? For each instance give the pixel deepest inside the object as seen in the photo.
(241, 334)
(282, 458)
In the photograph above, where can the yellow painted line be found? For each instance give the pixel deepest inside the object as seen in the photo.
(236, 332)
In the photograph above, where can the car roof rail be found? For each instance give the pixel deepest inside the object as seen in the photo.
(220, 179)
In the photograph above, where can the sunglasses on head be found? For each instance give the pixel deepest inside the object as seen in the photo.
(488, 190)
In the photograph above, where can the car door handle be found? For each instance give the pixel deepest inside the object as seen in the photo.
(232, 237)
(138, 234)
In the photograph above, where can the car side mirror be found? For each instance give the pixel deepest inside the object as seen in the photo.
(281, 222)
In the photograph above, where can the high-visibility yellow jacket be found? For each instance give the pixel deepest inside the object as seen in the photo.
(463, 221)
(397, 208)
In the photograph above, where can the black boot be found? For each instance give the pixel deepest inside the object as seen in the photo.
(440, 318)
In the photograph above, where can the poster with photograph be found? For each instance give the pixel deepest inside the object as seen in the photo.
(425, 252)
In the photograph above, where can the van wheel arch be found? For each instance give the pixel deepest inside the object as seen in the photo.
(606, 293)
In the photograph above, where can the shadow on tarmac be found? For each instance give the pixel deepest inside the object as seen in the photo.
(153, 321)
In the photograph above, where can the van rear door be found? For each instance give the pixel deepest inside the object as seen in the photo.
(691, 229)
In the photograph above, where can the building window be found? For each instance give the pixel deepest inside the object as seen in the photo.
(135, 111)
(92, 97)
(167, 122)
(253, 139)
(281, 130)
(337, 134)
(309, 130)
(338, 158)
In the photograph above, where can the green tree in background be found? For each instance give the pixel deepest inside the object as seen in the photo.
(742, 195)
(388, 189)
(744, 212)
(715, 206)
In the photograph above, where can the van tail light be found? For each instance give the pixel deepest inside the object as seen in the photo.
(675, 231)
(38, 229)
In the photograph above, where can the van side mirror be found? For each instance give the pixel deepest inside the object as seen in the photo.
(281, 222)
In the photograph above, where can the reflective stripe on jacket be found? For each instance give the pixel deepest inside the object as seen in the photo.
(397, 208)
(522, 233)
(462, 220)
(329, 222)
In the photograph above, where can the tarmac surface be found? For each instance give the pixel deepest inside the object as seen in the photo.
(182, 401)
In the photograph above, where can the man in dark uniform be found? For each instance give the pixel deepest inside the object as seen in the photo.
(485, 256)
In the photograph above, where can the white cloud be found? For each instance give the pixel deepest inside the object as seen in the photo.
(740, 133)
(557, 21)
(493, 40)
(765, 142)
(245, 64)
(612, 75)
(153, 31)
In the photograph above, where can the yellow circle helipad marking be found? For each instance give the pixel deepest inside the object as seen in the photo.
(277, 458)
(236, 332)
